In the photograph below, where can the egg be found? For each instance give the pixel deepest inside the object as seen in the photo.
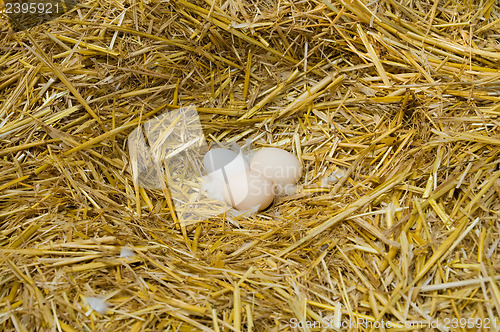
(248, 190)
(279, 166)
(217, 158)
(221, 163)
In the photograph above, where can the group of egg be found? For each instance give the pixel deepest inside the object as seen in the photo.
(251, 185)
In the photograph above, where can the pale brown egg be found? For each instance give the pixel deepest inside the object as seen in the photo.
(248, 190)
(279, 166)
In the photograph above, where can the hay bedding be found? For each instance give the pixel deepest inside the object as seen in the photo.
(391, 106)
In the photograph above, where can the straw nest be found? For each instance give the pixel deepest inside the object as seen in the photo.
(391, 106)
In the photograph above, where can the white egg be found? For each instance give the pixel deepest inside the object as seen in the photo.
(221, 163)
(279, 166)
(248, 190)
(217, 158)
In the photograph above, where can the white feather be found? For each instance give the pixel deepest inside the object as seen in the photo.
(213, 187)
(97, 304)
(126, 252)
